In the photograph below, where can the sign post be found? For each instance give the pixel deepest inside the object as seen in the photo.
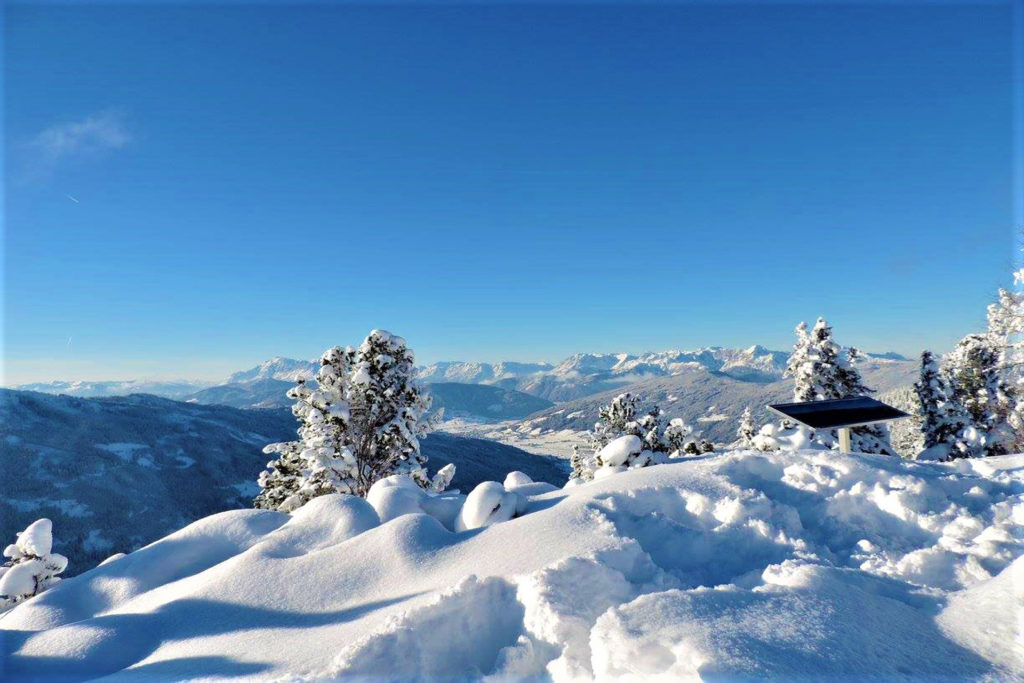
(841, 414)
(844, 439)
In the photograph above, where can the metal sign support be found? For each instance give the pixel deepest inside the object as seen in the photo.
(844, 439)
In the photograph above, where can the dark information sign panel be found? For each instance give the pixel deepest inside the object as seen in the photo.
(840, 412)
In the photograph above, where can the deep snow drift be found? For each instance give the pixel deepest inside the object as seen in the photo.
(739, 564)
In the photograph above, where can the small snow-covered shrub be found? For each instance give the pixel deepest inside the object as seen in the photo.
(746, 432)
(620, 452)
(649, 441)
(772, 437)
(31, 566)
(443, 479)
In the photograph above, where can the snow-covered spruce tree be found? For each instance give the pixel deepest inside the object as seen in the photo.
(582, 463)
(360, 422)
(984, 382)
(747, 430)
(941, 420)
(389, 412)
(821, 370)
(283, 476)
(31, 566)
(978, 387)
(1006, 326)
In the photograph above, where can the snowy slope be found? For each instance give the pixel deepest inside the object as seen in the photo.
(264, 392)
(458, 399)
(483, 401)
(116, 473)
(735, 565)
(691, 392)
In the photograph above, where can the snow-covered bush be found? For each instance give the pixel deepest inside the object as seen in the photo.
(783, 437)
(654, 442)
(487, 504)
(516, 479)
(622, 452)
(359, 422)
(443, 479)
(31, 565)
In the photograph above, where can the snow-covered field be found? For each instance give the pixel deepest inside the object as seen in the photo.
(741, 564)
(524, 435)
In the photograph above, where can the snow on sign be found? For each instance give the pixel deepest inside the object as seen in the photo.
(839, 413)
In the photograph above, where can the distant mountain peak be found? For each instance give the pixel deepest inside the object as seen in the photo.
(278, 367)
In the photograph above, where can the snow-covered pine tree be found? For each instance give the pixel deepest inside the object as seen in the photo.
(283, 476)
(677, 436)
(361, 422)
(1006, 326)
(616, 419)
(389, 412)
(821, 370)
(321, 461)
(582, 463)
(747, 430)
(977, 386)
(941, 420)
(31, 565)
(650, 431)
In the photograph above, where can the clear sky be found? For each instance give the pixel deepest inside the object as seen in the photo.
(192, 189)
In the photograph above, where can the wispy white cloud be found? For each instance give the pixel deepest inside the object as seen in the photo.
(91, 136)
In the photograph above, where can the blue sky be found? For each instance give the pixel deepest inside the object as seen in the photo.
(192, 189)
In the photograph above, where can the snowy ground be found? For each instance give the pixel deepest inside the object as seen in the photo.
(739, 565)
(525, 435)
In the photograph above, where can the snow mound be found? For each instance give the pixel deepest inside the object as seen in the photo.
(741, 564)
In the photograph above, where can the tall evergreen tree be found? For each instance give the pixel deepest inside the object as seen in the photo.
(360, 422)
(942, 421)
(979, 387)
(1006, 327)
(821, 370)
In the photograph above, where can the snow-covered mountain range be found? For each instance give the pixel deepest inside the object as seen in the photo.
(115, 473)
(285, 369)
(165, 388)
(579, 375)
(583, 374)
